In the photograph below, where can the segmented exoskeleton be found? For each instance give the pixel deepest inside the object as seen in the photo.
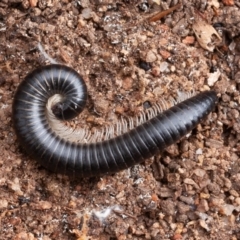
(36, 133)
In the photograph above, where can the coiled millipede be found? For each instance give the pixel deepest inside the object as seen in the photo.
(56, 92)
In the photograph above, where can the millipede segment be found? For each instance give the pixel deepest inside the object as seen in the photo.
(34, 119)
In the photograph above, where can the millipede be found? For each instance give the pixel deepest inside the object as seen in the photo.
(54, 93)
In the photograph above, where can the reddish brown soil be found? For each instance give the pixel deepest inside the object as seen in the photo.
(190, 192)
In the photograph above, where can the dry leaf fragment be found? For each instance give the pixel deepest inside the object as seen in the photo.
(3, 203)
(157, 2)
(227, 209)
(188, 40)
(177, 236)
(214, 3)
(33, 3)
(206, 35)
(42, 205)
(228, 2)
(204, 225)
(24, 235)
(164, 13)
(213, 77)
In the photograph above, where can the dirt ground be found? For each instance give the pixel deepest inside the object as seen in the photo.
(130, 58)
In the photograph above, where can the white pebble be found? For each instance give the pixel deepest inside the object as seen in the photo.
(163, 66)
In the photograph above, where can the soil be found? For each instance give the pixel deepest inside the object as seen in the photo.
(130, 58)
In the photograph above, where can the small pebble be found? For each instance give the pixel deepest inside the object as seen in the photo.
(163, 66)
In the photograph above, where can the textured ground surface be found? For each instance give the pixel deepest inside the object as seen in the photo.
(192, 191)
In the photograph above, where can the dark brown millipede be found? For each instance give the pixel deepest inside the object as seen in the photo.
(35, 130)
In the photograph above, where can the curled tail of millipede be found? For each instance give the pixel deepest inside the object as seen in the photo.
(57, 91)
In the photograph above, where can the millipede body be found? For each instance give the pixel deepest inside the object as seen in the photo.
(63, 155)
